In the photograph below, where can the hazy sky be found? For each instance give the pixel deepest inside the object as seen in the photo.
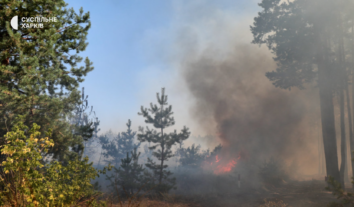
(132, 44)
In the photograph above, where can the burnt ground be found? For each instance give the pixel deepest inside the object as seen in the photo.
(295, 194)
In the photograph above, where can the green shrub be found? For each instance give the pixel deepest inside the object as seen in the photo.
(26, 181)
(129, 176)
(271, 172)
(345, 198)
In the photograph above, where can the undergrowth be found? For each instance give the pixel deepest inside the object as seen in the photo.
(26, 181)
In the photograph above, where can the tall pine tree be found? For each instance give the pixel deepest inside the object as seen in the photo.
(306, 38)
(40, 69)
(160, 116)
(86, 124)
(119, 146)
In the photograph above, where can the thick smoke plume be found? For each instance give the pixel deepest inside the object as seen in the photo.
(235, 101)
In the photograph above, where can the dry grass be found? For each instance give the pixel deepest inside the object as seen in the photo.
(292, 194)
(153, 203)
(164, 200)
(274, 204)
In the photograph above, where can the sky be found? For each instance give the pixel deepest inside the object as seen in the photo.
(133, 45)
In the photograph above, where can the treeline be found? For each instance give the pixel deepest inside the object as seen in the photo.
(122, 151)
(47, 126)
(130, 173)
(44, 117)
(313, 42)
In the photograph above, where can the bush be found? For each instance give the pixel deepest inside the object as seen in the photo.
(26, 181)
(129, 176)
(191, 157)
(271, 173)
(345, 198)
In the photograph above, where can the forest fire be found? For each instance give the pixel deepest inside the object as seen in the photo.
(217, 158)
(220, 169)
(218, 166)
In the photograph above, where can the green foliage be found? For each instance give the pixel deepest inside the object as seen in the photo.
(191, 156)
(153, 180)
(312, 43)
(298, 32)
(129, 177)
(40, 69)
(147, 151)
(160, 116)
(82, 117)
(346, 198)
(114, 150)
(283, 28)
(85, 124)
(216, 150)
(26, 181)
(211, 157)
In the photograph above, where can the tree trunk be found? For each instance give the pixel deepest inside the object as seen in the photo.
(329, 134)
(162, 150)
(342, 87)
(343, 138)
(351, 138)
(162, 158)
(350, 114)
(327, 119)
(326, 90)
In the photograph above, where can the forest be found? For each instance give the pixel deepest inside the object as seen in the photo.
(255, 108)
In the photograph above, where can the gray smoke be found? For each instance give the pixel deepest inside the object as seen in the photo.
(232, 100)
(247, 113)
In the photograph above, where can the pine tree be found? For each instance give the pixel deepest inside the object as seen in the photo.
(86, 123)
(40, 69)
(160, 116)
(83, 115)
(307, 39)
(147, 151)
(178, 152)
(216, 150)
(116, 149)
(129, 176)
(191, 156)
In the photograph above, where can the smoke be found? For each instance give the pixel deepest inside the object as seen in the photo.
(225, 74)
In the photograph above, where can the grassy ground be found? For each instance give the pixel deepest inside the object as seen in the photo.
(154, 203)
(294, 194)
(304, 194)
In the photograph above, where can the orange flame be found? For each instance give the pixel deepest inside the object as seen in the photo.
(217, 158)
(225, 169)
(221, 167)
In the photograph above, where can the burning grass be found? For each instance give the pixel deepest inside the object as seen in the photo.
(220, 166)
(262, 185)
